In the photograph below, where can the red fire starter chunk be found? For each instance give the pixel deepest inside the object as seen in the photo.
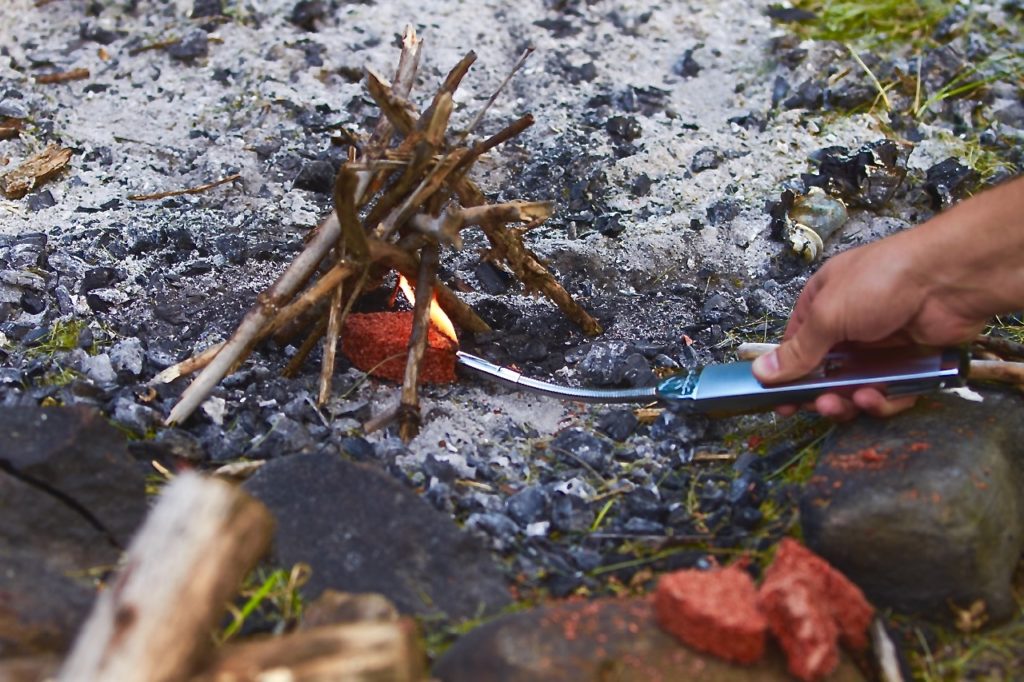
(802, 624)
(378, 343)
(714, 611)
(847, 604)
(809, 606)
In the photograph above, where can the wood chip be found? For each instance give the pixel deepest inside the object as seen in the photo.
(34, 171)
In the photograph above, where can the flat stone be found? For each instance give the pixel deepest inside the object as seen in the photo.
(361, 531)
(925, 511)
(612, 640)
(68, 486)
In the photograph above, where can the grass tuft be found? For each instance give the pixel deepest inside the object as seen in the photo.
(870, 24)
(63, 337)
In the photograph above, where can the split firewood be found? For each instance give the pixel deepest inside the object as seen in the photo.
(34, 171)
(978, 370)
(154, 620)
(358, 652)
(402, 196)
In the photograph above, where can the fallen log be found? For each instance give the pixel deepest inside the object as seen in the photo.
(154, 621)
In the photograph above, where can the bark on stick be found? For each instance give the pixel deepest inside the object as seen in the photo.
(155, 622)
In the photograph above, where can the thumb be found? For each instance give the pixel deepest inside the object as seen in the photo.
(794, 358)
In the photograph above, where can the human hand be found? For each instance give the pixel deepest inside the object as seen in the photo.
(872, 295)
(936, 284)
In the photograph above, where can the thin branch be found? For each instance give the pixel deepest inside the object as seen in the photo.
(268, 303)
(409, 412)
(63, 76)
(335, 323)
(480, 115)
(330, 344)
(191, 190)
(1001, 346)
(306, 348)
(481, 148)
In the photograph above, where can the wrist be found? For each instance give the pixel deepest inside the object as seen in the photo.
(971, 257)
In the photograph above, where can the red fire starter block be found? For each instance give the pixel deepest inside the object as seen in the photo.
(809, 606)
(846, 602)
(378, 343)
(802, 624)
(714, 611)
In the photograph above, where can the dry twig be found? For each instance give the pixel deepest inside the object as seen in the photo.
(191, 190)
(63, 76)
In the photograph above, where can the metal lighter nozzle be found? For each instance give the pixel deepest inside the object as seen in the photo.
(513, 378)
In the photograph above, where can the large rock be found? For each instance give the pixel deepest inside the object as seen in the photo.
(925, 512)
(361, 531)
(70, 497)
(68, 485)
(606, 640)
(40, 608)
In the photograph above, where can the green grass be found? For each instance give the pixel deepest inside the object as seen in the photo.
(63, 337)
(986, 162)
(276, 592)
(951, 655)
(972, 80)
(869, 24)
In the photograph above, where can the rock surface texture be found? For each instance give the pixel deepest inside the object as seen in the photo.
(360, 531)
(70, 497)
(602, 640)
(925, 512)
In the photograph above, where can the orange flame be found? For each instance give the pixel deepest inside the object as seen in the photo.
(437, 316)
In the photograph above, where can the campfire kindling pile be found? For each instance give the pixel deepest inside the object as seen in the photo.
(403, 194)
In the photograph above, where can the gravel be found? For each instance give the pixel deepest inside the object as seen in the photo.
(660, 147)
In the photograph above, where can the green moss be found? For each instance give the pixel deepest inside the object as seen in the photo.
(58, 376)
(800, 467)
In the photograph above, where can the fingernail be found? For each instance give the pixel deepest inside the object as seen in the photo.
(766, 365)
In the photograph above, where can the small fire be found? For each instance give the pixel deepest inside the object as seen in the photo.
(437, 316)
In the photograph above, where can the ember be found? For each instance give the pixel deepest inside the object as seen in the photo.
(377, 344)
